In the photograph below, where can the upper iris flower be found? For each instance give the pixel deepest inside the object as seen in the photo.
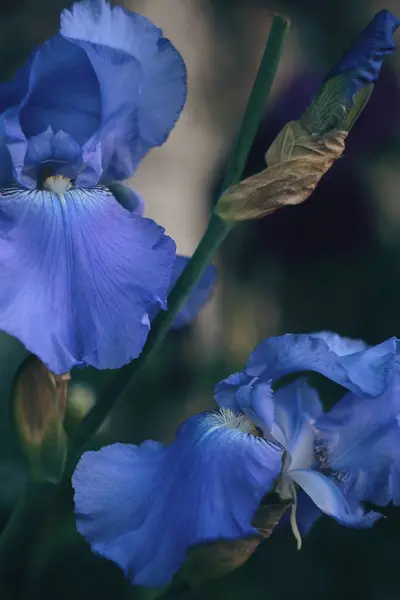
(80, 274)
(337, 460)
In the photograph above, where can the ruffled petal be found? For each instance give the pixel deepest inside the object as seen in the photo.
(363, 61)
(198, 297)
(11, 94)
(362, 438)
(203, 289)
(329, 499)
(297, 406)
(63, 92)
(142, 79)
(250, 396)
(144, 506)
(363, 372)
(79, 276)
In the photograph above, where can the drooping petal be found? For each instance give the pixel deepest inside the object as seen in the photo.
(328, 497)
(144, 506)
(361, 371)
(79, 276)
(142, 106)
(297, 406)
(362, 437)
(250, 396)
(363, 61)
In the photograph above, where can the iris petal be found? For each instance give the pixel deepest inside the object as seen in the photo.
(330, 500)
(362, 436)
(144, 506)
(297, 406)
(199, 295)
(250, 396)
(364, 59)
(79, 276)
(52, 101)
(151, 91)
(203, 289)
(363, 372)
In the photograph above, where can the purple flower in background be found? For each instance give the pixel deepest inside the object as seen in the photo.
(80, 274)
(144, 506)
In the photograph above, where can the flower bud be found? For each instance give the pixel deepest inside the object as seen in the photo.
(297, 160)
(38, 402)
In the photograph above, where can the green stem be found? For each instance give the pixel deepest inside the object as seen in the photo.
(30, 513)
(215, 234)
(257, 101)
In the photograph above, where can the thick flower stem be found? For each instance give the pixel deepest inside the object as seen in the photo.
(29, 514)
(215, 234)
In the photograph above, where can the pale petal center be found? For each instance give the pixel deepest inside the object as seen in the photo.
(59, 184)
(230, 420)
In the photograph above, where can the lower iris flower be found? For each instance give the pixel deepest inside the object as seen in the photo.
(144, 506)
(336, 461)
(81, 274)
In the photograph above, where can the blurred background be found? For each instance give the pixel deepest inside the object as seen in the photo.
(331, 263)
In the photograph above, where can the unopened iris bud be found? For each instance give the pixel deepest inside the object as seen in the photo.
(305, 150)
(296, 163)
(38, 402)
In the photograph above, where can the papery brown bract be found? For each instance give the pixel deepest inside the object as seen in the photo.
(216, 559)
(297, 160)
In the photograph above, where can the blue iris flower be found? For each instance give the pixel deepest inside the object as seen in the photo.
(338, 460)
(144, 506)
(81, 274)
